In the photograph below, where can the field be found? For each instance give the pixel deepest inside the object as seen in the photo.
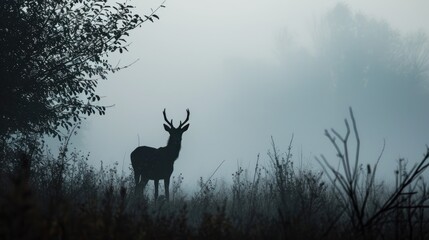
(63, 197)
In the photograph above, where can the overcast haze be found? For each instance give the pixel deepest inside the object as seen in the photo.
(248, 70)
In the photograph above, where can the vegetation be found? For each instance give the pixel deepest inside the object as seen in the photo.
(64, 197)
(53, 53)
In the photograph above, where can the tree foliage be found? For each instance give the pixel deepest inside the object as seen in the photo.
(365, 53)
(52, 55)
(361, 61)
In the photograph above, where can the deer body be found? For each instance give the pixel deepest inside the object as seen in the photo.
(158, 163)
(152, 163)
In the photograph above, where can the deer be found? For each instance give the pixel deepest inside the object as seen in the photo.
(157, 163)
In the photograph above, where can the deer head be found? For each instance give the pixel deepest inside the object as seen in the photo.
(175, 133)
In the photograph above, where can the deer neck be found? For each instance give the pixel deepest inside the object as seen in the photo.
(173, 148)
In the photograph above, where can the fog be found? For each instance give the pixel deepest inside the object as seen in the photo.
(249, 70)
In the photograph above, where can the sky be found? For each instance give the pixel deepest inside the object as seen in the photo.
(251, 70)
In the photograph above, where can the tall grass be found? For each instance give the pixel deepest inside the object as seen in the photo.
(63, 197)
(369, 214)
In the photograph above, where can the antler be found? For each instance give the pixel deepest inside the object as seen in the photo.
(187, 119)
(170, 123)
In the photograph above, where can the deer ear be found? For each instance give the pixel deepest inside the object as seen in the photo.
(185, 127)
(167, 128)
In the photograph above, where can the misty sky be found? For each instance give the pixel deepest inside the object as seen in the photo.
(249, 70)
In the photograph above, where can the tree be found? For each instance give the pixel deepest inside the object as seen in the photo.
(367, 54)
(52, 55)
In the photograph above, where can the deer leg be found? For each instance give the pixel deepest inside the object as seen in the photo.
(141, 185)
(156, 188)
(166, 188)
(136, 179)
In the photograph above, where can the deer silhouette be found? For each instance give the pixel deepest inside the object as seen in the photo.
(157, 163)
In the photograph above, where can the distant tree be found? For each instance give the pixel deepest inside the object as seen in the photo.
(364, 54)
(52, 54)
